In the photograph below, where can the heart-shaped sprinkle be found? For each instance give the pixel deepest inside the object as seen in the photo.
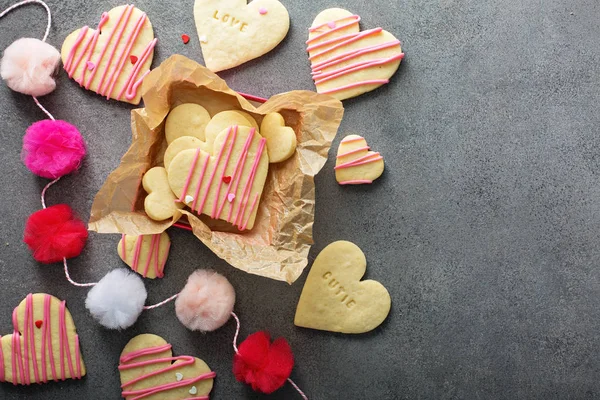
(331, 24)
(90, 65)
(226, 179)
(189, 199)
(185, 38)
(230, 197)
(193, 390)
(203, 39)
(262, 11)
(178, 376)
(39, 323)
(133, 59)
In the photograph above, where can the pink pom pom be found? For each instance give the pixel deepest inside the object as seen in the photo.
(52, 149)
(28, 66)
(206, 301)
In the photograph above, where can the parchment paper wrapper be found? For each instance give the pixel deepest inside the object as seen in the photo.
(278, 244)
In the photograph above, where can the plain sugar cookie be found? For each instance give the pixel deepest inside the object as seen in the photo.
(346, 61)
(149, 370)
(232, 32)
(113, 59)
(228, 184)
(187, 119)
(281, 139)
(224, 120)
(355, 163)
(335, 299)
(44, 345)
(145, 254)
(160, 202)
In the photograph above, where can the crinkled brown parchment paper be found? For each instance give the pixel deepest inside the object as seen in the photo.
(277, 247)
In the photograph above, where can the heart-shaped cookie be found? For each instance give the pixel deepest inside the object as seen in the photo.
(335, 299)
(113, 59)
(232, 32)
(149, 370)
(145, 254)
(228, 184)
(160, 203)
(44, 345)
(356, 163)
(281, 139)
(346, 62)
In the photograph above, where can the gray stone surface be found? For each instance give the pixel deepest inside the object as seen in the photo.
(484, 227)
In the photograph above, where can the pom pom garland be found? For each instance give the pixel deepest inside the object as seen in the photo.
(261, 364)
(206, 302)
(28, 66)
(117, 300)
(52, 149)
(55, 233)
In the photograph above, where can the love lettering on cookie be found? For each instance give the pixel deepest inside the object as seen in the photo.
(230, 20)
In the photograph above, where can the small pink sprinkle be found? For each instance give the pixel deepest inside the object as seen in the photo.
(331, 24)
(230, 197)
(262, 11)
(90, 65)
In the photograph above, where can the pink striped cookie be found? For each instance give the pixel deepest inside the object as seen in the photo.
(226, 184)
(44, 345)
(346, 61)
(355, 163)
(113, 59)
(149, 369)
(145, 254)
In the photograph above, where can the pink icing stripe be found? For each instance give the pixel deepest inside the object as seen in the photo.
(103, 51)
(127, 11)
(130, 88)
(26, 339)
(31, 339)
(220, 179)
(18, 355)
(167, 386)
(353, 151)
(249, 183)
(189, 177)
(369, 158)
(48, 331)
(214, 171)
(71, 55)
(237, 172)
(200, 179)
(345, 40)
(162, 268)
(187, 360)
(251, 210)
(352, 54)
(136, 252)
(77, 357)
(149, 260)
(64, 342)
(156, 257)
(2, 373)
(355, 20)
(355, 182)
(324, 77)
(239, 168)
(353, 85)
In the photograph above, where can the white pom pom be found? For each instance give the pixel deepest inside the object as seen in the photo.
(118, 299)
(28, 66)
(206, 301)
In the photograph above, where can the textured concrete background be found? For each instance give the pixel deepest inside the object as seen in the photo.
(484, 227)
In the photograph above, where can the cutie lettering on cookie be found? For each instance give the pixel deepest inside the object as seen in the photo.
(338, 290)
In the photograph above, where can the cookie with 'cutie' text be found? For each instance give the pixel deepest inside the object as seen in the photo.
(113, 59)
(335, 299)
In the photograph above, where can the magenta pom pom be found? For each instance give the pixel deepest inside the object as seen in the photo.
(52, 149)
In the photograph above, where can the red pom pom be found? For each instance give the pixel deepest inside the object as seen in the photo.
(54, 233)
(52, 149)
(263, 365)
